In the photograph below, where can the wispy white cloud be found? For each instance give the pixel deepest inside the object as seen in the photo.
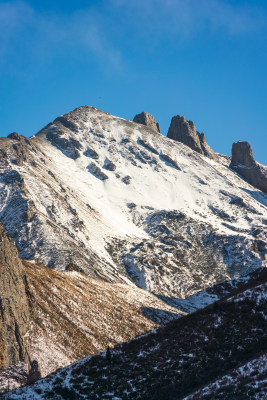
(186, 17)
(13, 17)
(107, 32)
(49, 34)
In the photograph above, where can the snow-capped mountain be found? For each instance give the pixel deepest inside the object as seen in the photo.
(120, 229)
(123, 202)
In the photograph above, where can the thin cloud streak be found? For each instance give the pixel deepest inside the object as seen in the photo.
(45, 36)
(187, 17)
(95, 31)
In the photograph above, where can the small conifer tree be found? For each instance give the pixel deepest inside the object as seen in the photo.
(108, 356)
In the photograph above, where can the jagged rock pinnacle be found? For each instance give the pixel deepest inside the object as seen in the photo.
(185, 131)
(147, 119)
(242, 154)
(244, 163)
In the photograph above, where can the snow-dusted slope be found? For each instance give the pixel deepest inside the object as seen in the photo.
(218, 352)
(123, 202)
(73, 316)
(76, 316)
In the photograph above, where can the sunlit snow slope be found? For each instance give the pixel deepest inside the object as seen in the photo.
(123, 202)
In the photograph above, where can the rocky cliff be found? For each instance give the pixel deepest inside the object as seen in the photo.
(185, 131)
(244, 164)
(147, 119)
(14, 305)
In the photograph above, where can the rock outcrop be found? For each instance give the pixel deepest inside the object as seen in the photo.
(244, 164)
(14, 305)
(206, 149)
(185, 131)
(14, 136)
(147, 119)
(20, 148)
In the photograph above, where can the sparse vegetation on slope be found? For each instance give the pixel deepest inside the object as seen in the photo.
(75, 316)
(173, 361)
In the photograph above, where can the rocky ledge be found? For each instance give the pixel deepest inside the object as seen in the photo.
(244, 164)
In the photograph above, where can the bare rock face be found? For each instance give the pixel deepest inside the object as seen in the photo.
(20, 147)
(206, 149)
(69, 146)
(147, 119)
(242, 154)
(244, 164)
(185, 131)
(14, 305)
(14, 136)
(61, 134)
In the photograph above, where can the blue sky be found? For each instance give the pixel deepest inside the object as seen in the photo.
(204, 59)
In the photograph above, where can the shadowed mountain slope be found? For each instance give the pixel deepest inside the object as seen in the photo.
(174, 361)
(69, 316)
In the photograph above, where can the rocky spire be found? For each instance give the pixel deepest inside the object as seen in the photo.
(185, 131)
(244, 163)
(242, 154)
(147, 119)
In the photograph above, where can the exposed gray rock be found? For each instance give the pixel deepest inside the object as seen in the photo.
(244, 163)
(20, 149)
(14, 305)
(148, 146)
(170, 161)
(206, 149)
(109, 165)
(14, 136)
(147, 119)
(67, 122)
(69, 146)
(184, 131)
(22, 153)
(96, 171)
(126, 180)
(131, 205)
(3, 155)
(242, 154)
(91, 153)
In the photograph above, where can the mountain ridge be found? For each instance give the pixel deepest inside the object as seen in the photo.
(110, 210)
(46, 191)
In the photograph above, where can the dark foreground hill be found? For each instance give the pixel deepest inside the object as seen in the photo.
(224, 342)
